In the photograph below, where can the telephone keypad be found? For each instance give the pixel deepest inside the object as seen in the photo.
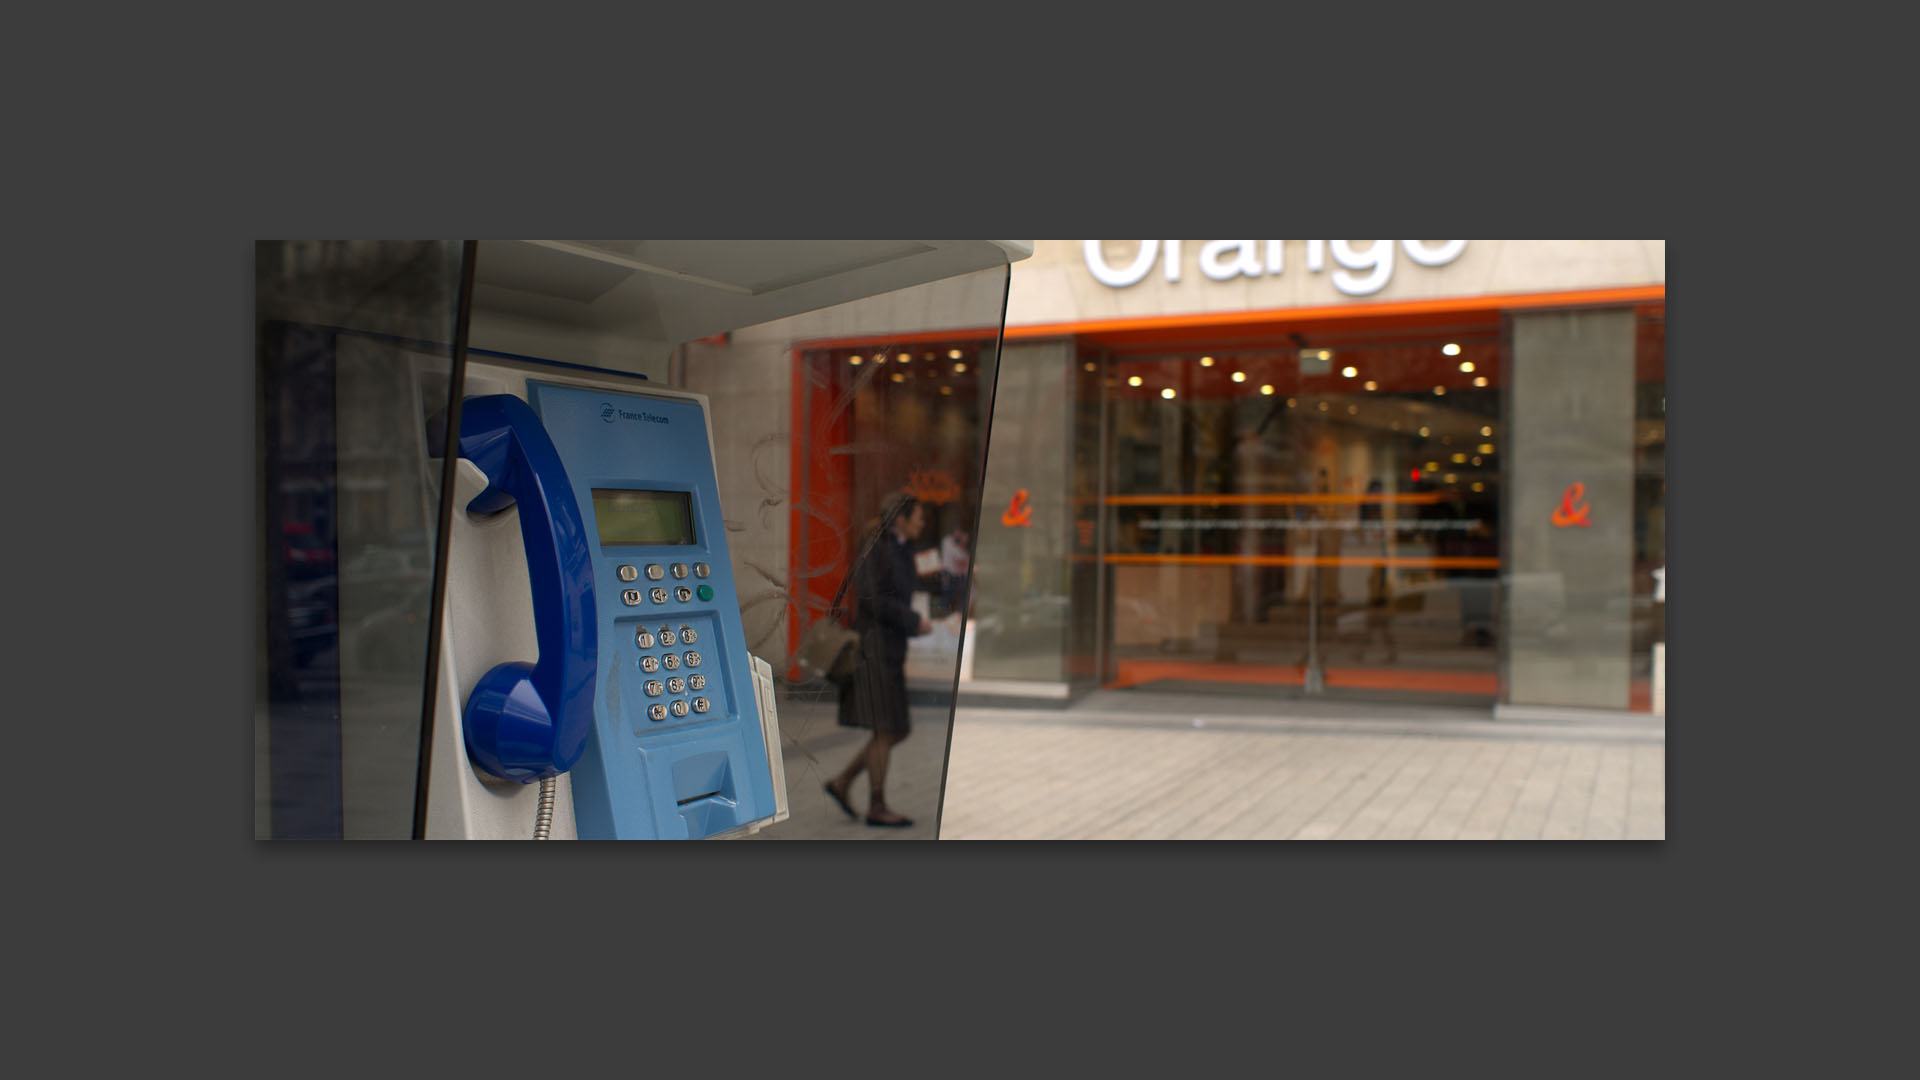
(654, 573)
(630, 597)
(659, 596)
(627, 573)
(683, 594)
(701, 570)
(679, 570)
(675, 685)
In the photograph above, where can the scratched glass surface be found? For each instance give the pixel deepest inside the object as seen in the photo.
(819, 421)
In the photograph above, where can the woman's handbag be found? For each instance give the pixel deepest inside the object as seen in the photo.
(828, 646)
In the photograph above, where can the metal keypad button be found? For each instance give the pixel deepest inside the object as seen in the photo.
(693, 659)
(698, 682)
(679, 570)
(630, 597)
(676, 685)
(672, 661)
(649, 664)
(657, 712)
(687, 636)
(659, 596)
(699, 704)
(627, 573)
(679, 708)
(654, 687)
(701, 569)
(654, 573)
(683, 594)
(643, 638)
(666, 637)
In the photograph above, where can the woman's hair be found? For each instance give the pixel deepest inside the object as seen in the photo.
(898, 505)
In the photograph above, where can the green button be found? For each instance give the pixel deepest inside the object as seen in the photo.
(706, 592)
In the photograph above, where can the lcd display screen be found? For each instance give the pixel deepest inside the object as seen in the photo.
(628, 518)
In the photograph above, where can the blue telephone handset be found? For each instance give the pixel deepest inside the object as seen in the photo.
(526, 722)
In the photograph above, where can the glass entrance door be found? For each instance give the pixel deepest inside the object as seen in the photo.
(1312, 520)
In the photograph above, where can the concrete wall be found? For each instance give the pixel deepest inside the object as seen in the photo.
(1569, 587)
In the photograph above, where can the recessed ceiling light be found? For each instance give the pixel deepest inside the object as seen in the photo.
(1291, 403)
(1323, 406)
(1486, 448)
(1133, 380)
(1479, 380)
(1478, 486)
(1453, 478)
(1433, 466)
(897, 377)
(959, 368)
(1486, 431)
(1239, 376)
(1466, 365)
(1091, 365)
(1326, 354)
(1450, 349)
(1353, 410)
(1459, 459)
(1425, 431)
(946, 390)
(1266, 388)
(854, 360)
(1440, 391)
(953, 354)
(904, 357)
(1371, 385)
(1167, 393)
(1349, 371)
(1206, 361)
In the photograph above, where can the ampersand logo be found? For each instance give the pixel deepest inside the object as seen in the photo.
(1019, 515)
(1570, 514)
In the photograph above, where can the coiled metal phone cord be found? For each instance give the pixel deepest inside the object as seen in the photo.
(544, 823)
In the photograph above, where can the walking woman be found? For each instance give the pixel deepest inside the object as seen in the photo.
(876, 698)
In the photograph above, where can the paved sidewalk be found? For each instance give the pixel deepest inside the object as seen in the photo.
(1141, 766)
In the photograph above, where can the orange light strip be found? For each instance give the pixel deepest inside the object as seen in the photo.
(1136, 672)
(1450, 305)
(1266, 500)
(1449, 562)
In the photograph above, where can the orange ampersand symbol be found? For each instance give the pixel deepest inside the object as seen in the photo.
(1568, 514)
(1019, 514)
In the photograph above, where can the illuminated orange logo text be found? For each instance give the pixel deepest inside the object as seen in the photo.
(1019, 514)
(1568, 513)
(932, 486)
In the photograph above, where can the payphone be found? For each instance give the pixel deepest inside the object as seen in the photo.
(594, 676)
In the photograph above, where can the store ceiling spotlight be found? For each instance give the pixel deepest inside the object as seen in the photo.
(1091, 365)
(1450, 349)
(1486, 431)
(1466, 365)
(1167, 393)
(1239, 376)
(1479, 380)
(1349, 371)
(1353, 410)
(1133, 380)
(1371, 385)
(1206, 361)
(959, 369)
(1439, 391)
(953, 354)
(897, 377)
(904, 357)
(1326, 354)
(854, 360)
(1486, 448)
(1267, 389)
(1425, 431)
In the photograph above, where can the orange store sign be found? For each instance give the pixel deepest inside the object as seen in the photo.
(1567, 513)
(1019, 515)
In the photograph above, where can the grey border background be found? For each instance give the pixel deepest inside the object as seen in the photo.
(315, 953)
